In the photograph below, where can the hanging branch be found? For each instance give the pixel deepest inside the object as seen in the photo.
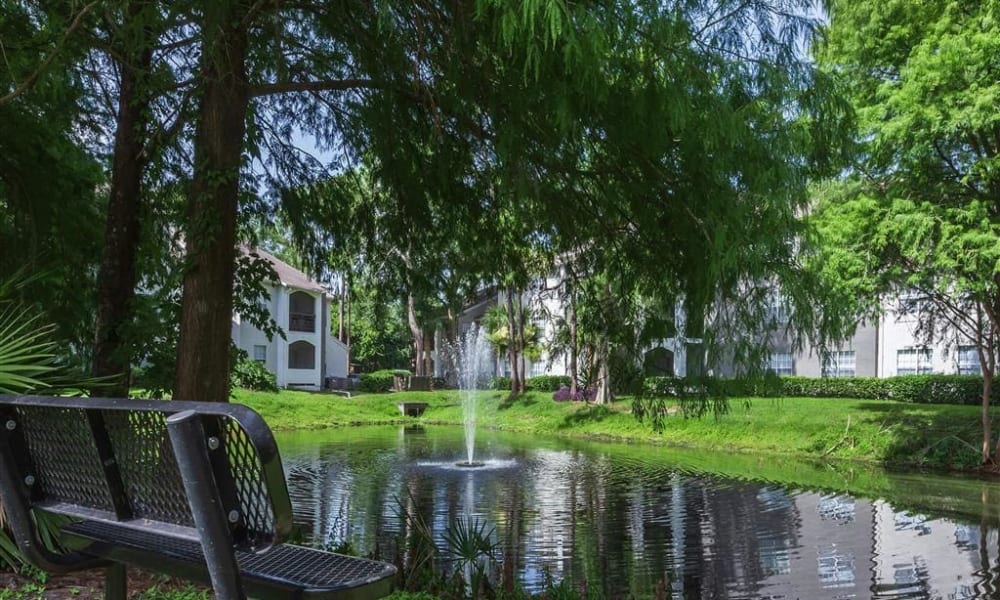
(32, 79)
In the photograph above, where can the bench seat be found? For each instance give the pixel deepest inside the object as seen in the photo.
(189, 489)
(284, 571)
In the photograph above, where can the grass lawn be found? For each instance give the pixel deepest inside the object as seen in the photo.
(881, 431)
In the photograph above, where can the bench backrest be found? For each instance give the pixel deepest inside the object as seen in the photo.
(112, 459)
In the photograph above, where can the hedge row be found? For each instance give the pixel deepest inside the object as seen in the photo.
(541, 383)
(379, 381)
(917, 389)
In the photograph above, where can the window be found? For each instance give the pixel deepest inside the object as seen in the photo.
(839, 364)
(914, 361)
(302, 312)
(968, 361)
(782, 364)
(537, 368)
(301, 355)
(912, 303)
(777, 309)
(260, 353)
(835, 569)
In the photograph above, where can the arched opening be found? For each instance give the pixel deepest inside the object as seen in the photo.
(301, 312)
(301, 355)
(658, 362)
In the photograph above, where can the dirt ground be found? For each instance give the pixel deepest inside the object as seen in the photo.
(84, 585)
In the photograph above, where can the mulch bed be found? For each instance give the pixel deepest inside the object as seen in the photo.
(89, 585)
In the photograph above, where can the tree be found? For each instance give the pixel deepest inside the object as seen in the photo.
(48, 224)
(680, 125)
(131, 43)
(919, 211)
(379, 336)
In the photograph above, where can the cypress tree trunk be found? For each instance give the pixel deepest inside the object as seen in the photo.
(515, 383)
(417, 333)
(573, 346)
(340, 309)
(207, 308)
(987, 358)
(987, 434)
(347, 329)
(603, 372)
(521, 344)
(116, 279)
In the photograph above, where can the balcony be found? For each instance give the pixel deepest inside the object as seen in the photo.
(302, 322)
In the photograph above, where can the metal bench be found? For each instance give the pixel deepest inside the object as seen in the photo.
(190, 489)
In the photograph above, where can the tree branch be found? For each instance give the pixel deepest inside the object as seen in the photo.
(269, 89)
(28, 83)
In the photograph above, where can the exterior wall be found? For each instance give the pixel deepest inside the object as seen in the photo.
(546, 305)
(864, 343)
(942, 562)
(876, 345)
(246, 336)
(900, 333)
(336, 357)
(310, 378)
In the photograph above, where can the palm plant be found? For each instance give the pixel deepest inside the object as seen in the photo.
(29, 363)
(27, 352)
(471, 542)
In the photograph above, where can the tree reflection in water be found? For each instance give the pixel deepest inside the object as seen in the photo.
(621, 521)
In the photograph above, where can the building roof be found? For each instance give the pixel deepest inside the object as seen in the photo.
(288, 275)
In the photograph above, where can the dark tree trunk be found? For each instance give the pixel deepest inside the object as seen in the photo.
(987, 434)
(521, 344)
(604, 394)
(340, 310)
(116, 279)
(573, 346)
(987, 358)
(207, 306)
(347, 329)
(515, 382)
(428, 357)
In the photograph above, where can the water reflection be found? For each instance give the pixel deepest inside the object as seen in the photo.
(622, 522)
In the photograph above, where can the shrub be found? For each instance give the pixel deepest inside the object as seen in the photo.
(253, 375)
(563, 394)
(548, 383)
(836, 387)
(917, 389)
(499, 383)
(439, 383)
(380, 381)
(937, 389)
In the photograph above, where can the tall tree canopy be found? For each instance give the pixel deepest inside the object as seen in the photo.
(672, 138)
(919, 214)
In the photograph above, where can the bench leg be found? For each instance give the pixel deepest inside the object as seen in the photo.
(115, 582)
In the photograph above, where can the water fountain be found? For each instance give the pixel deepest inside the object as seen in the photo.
(471, 359)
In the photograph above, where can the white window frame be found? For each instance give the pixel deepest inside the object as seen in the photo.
(922, 361)
(260, 353)
(968, 360)
(781, 363)
(840, 363)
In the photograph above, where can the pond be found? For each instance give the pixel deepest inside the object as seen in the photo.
(619, 520)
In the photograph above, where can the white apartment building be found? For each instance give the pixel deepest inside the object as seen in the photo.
(309, 353)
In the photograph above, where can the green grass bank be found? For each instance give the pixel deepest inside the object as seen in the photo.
(892, 433)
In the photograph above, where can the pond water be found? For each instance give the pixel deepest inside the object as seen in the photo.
(620, 520)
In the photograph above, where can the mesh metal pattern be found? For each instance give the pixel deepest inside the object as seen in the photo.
(248, 479)
(67, 466)
(292, 566)
(149, 470)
